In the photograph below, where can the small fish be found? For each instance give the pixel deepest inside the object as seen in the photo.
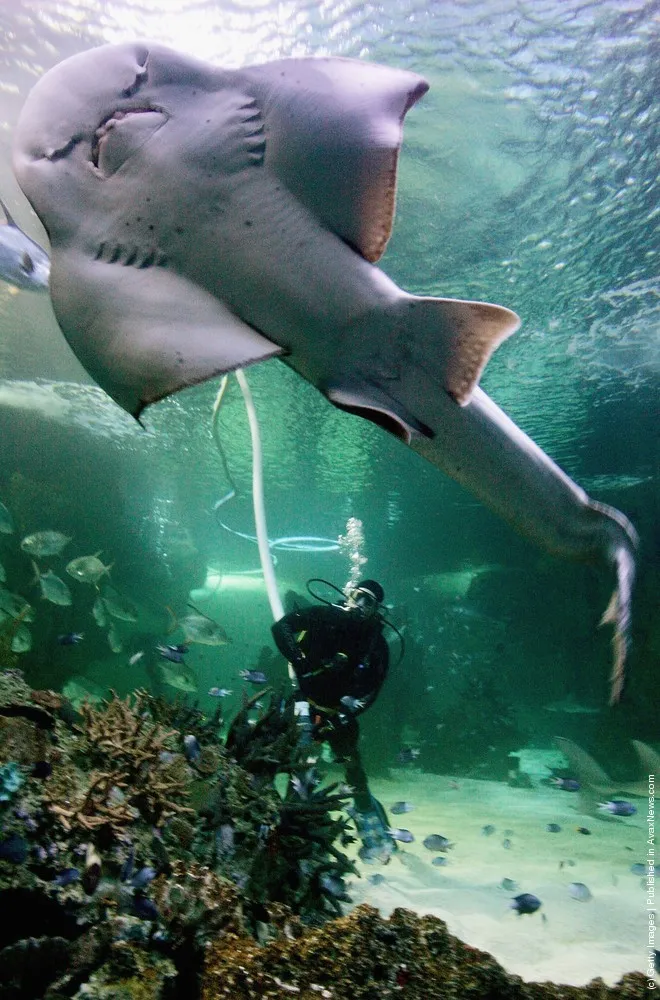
(171, 654)
(52, 588)
(407, 755)
(352, 704)
(509, 884)
(6, 521)
(23, 263)
(14, 849)
(142, 878)
(566, 784)
(135, 658)
(224, 839)
(401, 807)
(376, 878)
(618, 807)
(579, 891)
(335, 887)
(436, 842)
(44, 543)
(553, 828)
(204, 630)
(507, 844)
(67, 876)
(3, 574)
(191, 747)
(526, 903)
(70, 638)
(639, 868)
(145, 908)
(405, 836)
(88, 569)
(440, 861)
(216, 692)
(117, 605)
(488, 830)
(567, 863)
(253, 676)
(584, 830)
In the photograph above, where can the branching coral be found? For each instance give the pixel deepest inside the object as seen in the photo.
(137, 776)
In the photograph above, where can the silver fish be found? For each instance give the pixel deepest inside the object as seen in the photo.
(88, 569)
(23, 263)
(99, 612)
(22, 639)
(6, 521)
(178, 676)
(52, 588)
(199, 628)
(15, 606)
(114, 639)
(44, 543)
(117, 605)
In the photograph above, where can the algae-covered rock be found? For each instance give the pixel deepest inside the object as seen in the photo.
(365, 957)
(131, 974)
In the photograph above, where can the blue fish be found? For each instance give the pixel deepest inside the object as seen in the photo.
(401, 807)
(145, 908)
(70, 638)
(191, 747)
(618, 807)
(253, 676)
(142, 878)
(171, 653)
(23, 263)
(14, 849)
(67, 876)
(405, 836)
(526, 903)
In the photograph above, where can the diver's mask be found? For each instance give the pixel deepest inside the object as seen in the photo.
(364, 600)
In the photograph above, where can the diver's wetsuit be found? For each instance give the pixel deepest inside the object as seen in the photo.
(336, 652)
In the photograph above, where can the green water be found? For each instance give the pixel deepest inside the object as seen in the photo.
(527, 177)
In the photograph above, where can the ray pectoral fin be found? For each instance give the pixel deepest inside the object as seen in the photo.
(145, 333)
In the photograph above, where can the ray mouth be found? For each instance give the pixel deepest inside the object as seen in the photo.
(110, 123)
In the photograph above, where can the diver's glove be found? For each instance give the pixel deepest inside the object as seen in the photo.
(372, 827)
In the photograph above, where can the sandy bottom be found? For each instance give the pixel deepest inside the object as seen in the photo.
(566, 941)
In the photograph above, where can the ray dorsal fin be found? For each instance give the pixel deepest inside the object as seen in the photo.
(334, 129)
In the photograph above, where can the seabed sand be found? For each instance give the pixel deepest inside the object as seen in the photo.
(606, 936)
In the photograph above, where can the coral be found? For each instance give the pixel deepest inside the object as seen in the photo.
(365, 957)
(139, 776)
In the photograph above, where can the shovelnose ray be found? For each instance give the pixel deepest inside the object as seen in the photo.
(596, 784)
(204, 219)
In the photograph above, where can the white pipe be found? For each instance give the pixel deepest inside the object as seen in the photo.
(265, 555)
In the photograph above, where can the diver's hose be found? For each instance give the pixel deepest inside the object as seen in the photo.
(265, 556)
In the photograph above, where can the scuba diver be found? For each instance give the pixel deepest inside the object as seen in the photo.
(340, 658)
